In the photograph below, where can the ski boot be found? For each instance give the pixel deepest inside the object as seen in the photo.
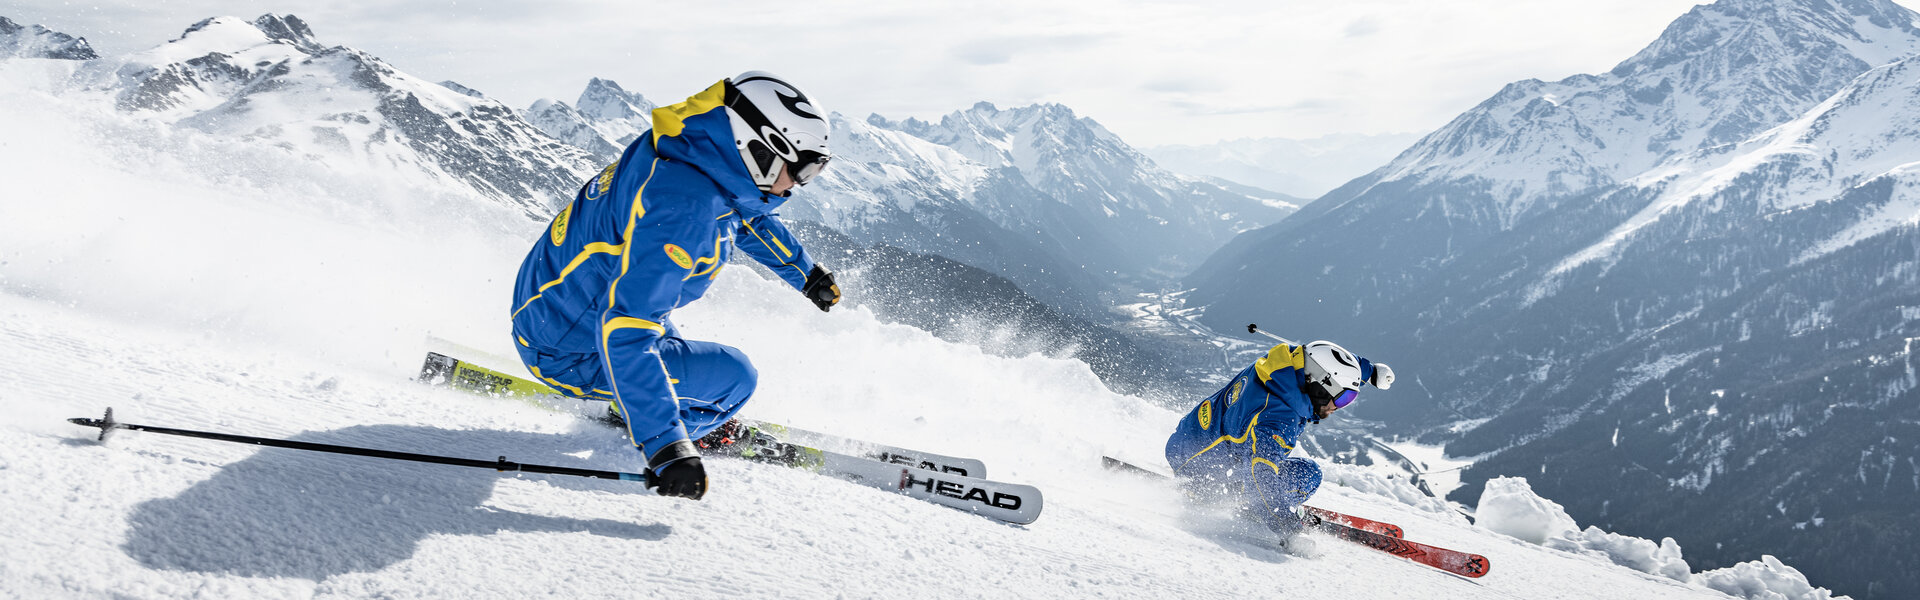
(724, 437)
(613, 417)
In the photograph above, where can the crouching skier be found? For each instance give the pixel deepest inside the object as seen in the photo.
(648, 235)
(1233, 447)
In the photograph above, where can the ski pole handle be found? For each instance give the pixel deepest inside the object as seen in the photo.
(1252, 328)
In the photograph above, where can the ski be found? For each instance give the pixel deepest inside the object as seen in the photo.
(1378, 535)
(950, 481)
(1009, 502)
(1452, 561)
(441, 369)
(1379, 527)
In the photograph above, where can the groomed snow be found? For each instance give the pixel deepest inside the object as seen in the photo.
(195, 282)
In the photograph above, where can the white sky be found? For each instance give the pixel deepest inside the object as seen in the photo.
(1153, 72)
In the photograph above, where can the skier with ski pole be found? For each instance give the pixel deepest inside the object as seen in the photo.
(1233, 446)
(648, 235)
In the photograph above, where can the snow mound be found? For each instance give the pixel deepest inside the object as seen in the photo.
(1509, 506)
(1365, 481)
(1639, 554)
(1764, 579)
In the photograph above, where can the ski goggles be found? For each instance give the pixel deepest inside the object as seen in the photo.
(808, 166)
(1346, 397)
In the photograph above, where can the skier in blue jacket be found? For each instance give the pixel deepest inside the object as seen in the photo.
(648, 235)
(1233, 447)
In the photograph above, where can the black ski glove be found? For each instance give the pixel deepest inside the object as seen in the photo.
(677, 471)
(821, 289)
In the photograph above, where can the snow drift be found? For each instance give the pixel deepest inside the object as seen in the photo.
(1510, 507)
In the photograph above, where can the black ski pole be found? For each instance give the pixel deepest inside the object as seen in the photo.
(1254, 328)
(108, 425)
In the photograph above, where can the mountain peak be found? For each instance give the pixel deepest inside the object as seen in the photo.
(1747, 28)
(289, 29)
(605, 83)
(34, 41)
(605, 100)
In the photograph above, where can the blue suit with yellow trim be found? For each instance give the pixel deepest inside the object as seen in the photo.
(1233, 447)
(648, 235)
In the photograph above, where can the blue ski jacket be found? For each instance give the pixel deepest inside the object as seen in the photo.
(646, 236)
(1235, 444)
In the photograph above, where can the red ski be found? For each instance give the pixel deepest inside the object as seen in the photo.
(1451, 561)
(1379, 527)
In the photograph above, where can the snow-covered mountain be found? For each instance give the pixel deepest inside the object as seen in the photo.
(271, 79)
(1107, 205)
(602, 121)
(154, 313)
(34, 41)
(1685, 285)
(1718, 75)
(1306, 168)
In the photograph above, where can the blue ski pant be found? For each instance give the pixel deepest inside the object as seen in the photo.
(1260, 479)
(712, 380)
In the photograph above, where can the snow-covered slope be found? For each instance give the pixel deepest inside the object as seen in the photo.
(270, 79)
(164, 313)
(1721, 73)
(1866, 134)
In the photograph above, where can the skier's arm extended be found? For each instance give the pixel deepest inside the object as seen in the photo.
(768, 241)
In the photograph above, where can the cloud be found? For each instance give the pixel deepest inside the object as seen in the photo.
(1184, 84)
(1363, 27)
(997, 50)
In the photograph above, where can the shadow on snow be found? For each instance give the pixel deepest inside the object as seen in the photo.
(292, 513)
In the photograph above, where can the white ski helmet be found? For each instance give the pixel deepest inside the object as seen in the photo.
(1334, 371)
(775, 124)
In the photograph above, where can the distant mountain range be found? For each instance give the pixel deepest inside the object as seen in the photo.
(1300, 168)
(1678, 296)
(271, 80)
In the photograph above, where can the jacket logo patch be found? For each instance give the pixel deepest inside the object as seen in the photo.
(679, 256)
(1234, 396)
(558, 233)
(1206, 414)
(604, 183)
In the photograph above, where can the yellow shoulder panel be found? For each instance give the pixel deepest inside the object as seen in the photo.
(1280, 357)
(671, 120)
